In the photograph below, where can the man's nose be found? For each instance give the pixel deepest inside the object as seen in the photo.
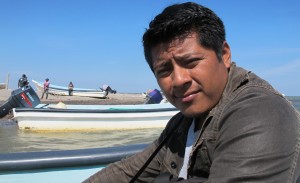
(180, 76)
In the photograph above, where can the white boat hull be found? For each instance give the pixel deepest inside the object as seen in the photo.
(116, 118)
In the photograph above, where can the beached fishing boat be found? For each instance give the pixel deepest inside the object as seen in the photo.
(60, 166)
(30, 114)
(82, 92)
(93, 117)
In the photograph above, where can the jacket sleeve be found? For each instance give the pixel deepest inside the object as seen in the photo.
(257, 142)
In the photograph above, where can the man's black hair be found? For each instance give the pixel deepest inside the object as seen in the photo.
(180, 20)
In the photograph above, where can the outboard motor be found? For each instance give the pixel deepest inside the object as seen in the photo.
(108, 89)
(154, 97)
(21, 97)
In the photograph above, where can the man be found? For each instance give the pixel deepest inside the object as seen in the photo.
(70, 88)
(46, 88)
(23, 81)
(233, 126)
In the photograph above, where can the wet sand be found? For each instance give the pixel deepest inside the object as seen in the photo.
(118, 98)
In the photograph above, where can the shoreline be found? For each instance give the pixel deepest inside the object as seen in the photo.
(112, 99)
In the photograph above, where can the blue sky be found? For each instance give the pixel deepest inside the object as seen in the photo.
(93, 42)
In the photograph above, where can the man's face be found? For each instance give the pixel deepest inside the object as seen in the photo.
(190, 76)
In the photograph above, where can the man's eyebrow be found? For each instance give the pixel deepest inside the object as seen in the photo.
(181, 57)
(188, 55)
(160, 63)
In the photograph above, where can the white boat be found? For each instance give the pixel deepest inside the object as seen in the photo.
(60, 166)
(82, 92)
(93, 117)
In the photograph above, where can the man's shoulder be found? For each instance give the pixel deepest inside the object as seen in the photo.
(178, 119)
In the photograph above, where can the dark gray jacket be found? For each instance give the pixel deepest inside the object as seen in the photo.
(251, 135)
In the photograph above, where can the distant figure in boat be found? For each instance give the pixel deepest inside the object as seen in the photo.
(46, 88)
(153, 97)
(108, 89)
(23, 81)
(71, 86)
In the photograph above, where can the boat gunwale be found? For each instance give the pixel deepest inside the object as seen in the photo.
(110, 110)
(21, 161)
(78, 90)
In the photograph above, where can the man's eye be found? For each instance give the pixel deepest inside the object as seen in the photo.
(192, 62)
(162, 72)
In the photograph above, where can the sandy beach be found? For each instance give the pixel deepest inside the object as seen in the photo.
(118, 98)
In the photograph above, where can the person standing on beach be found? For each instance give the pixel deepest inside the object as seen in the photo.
(23, 81)
(232, 126)
(46, 88)
(70, 87)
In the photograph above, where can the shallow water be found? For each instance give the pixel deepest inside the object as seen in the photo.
(14, 140)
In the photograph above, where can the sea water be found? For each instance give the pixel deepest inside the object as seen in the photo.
(14, 140)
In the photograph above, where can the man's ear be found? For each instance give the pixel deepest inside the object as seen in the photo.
(226, 54)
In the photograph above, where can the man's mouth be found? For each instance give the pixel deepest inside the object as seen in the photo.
(187, 98)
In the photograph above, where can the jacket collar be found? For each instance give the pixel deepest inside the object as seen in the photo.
(237, 77)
